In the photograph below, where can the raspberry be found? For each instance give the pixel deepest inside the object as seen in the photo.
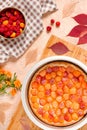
(10, 22)
(57, 24)
(1, 30)
(18, 23)
(3, 18)
(52, 21)
(7, 34)
(8, 14)
(3, 14)
(48, 28)
(13, 18)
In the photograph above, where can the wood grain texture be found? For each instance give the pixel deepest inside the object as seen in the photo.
(75, 52)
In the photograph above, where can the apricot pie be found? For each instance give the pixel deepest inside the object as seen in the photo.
(58, 93)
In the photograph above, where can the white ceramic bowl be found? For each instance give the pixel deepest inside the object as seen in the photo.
(25, 103)
(16, 9)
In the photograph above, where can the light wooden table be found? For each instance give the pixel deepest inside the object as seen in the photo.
(66, 10)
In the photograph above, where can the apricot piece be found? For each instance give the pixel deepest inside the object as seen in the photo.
(59, 98)
(68, 103)
(34, 99)
(58, 112)
(64, 110)
(62, 69)
(55, 104)
(56, 119)
(61, 118)
(84, 99)
(36, 105)
(47, 86)
(42, 72)
(72, 90)
(46, 107)
(53, 74)
(69, 69)
(50, 118)
(51, 112)
(41, 88)
(81, 78)
(75, 116)
(22, 25)
(66, 89)
(58, 78)
(16, 12)
(75, 105)
(59, 73)
(76, 73)
(13, 35)
(45, 116)
(41, 94)
(59, 92)
(48, 76)
(49, 99)
(53, 94)
(79, 91)
(66, 96)
(85, 92)
(21, 30)
(72, 97)
(14, 23)
(53, 87)
(34, 92)
(61, 105)
(70, 75)
(84, 84)
(5, 22)
(34, 84)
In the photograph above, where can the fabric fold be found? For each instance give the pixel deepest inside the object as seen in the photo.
(33, 11)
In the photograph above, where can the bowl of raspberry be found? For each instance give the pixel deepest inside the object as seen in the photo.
(12, 23)
(54, 93)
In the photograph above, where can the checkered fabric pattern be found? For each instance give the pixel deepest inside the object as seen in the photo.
(32, 10)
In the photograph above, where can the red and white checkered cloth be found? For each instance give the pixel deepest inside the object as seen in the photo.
(33, 10)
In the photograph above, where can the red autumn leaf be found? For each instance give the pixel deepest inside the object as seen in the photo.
(81, 19)
(83, 40)
(59, 48)
(77, 30)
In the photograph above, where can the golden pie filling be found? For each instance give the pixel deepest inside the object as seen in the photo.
(58, 93)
